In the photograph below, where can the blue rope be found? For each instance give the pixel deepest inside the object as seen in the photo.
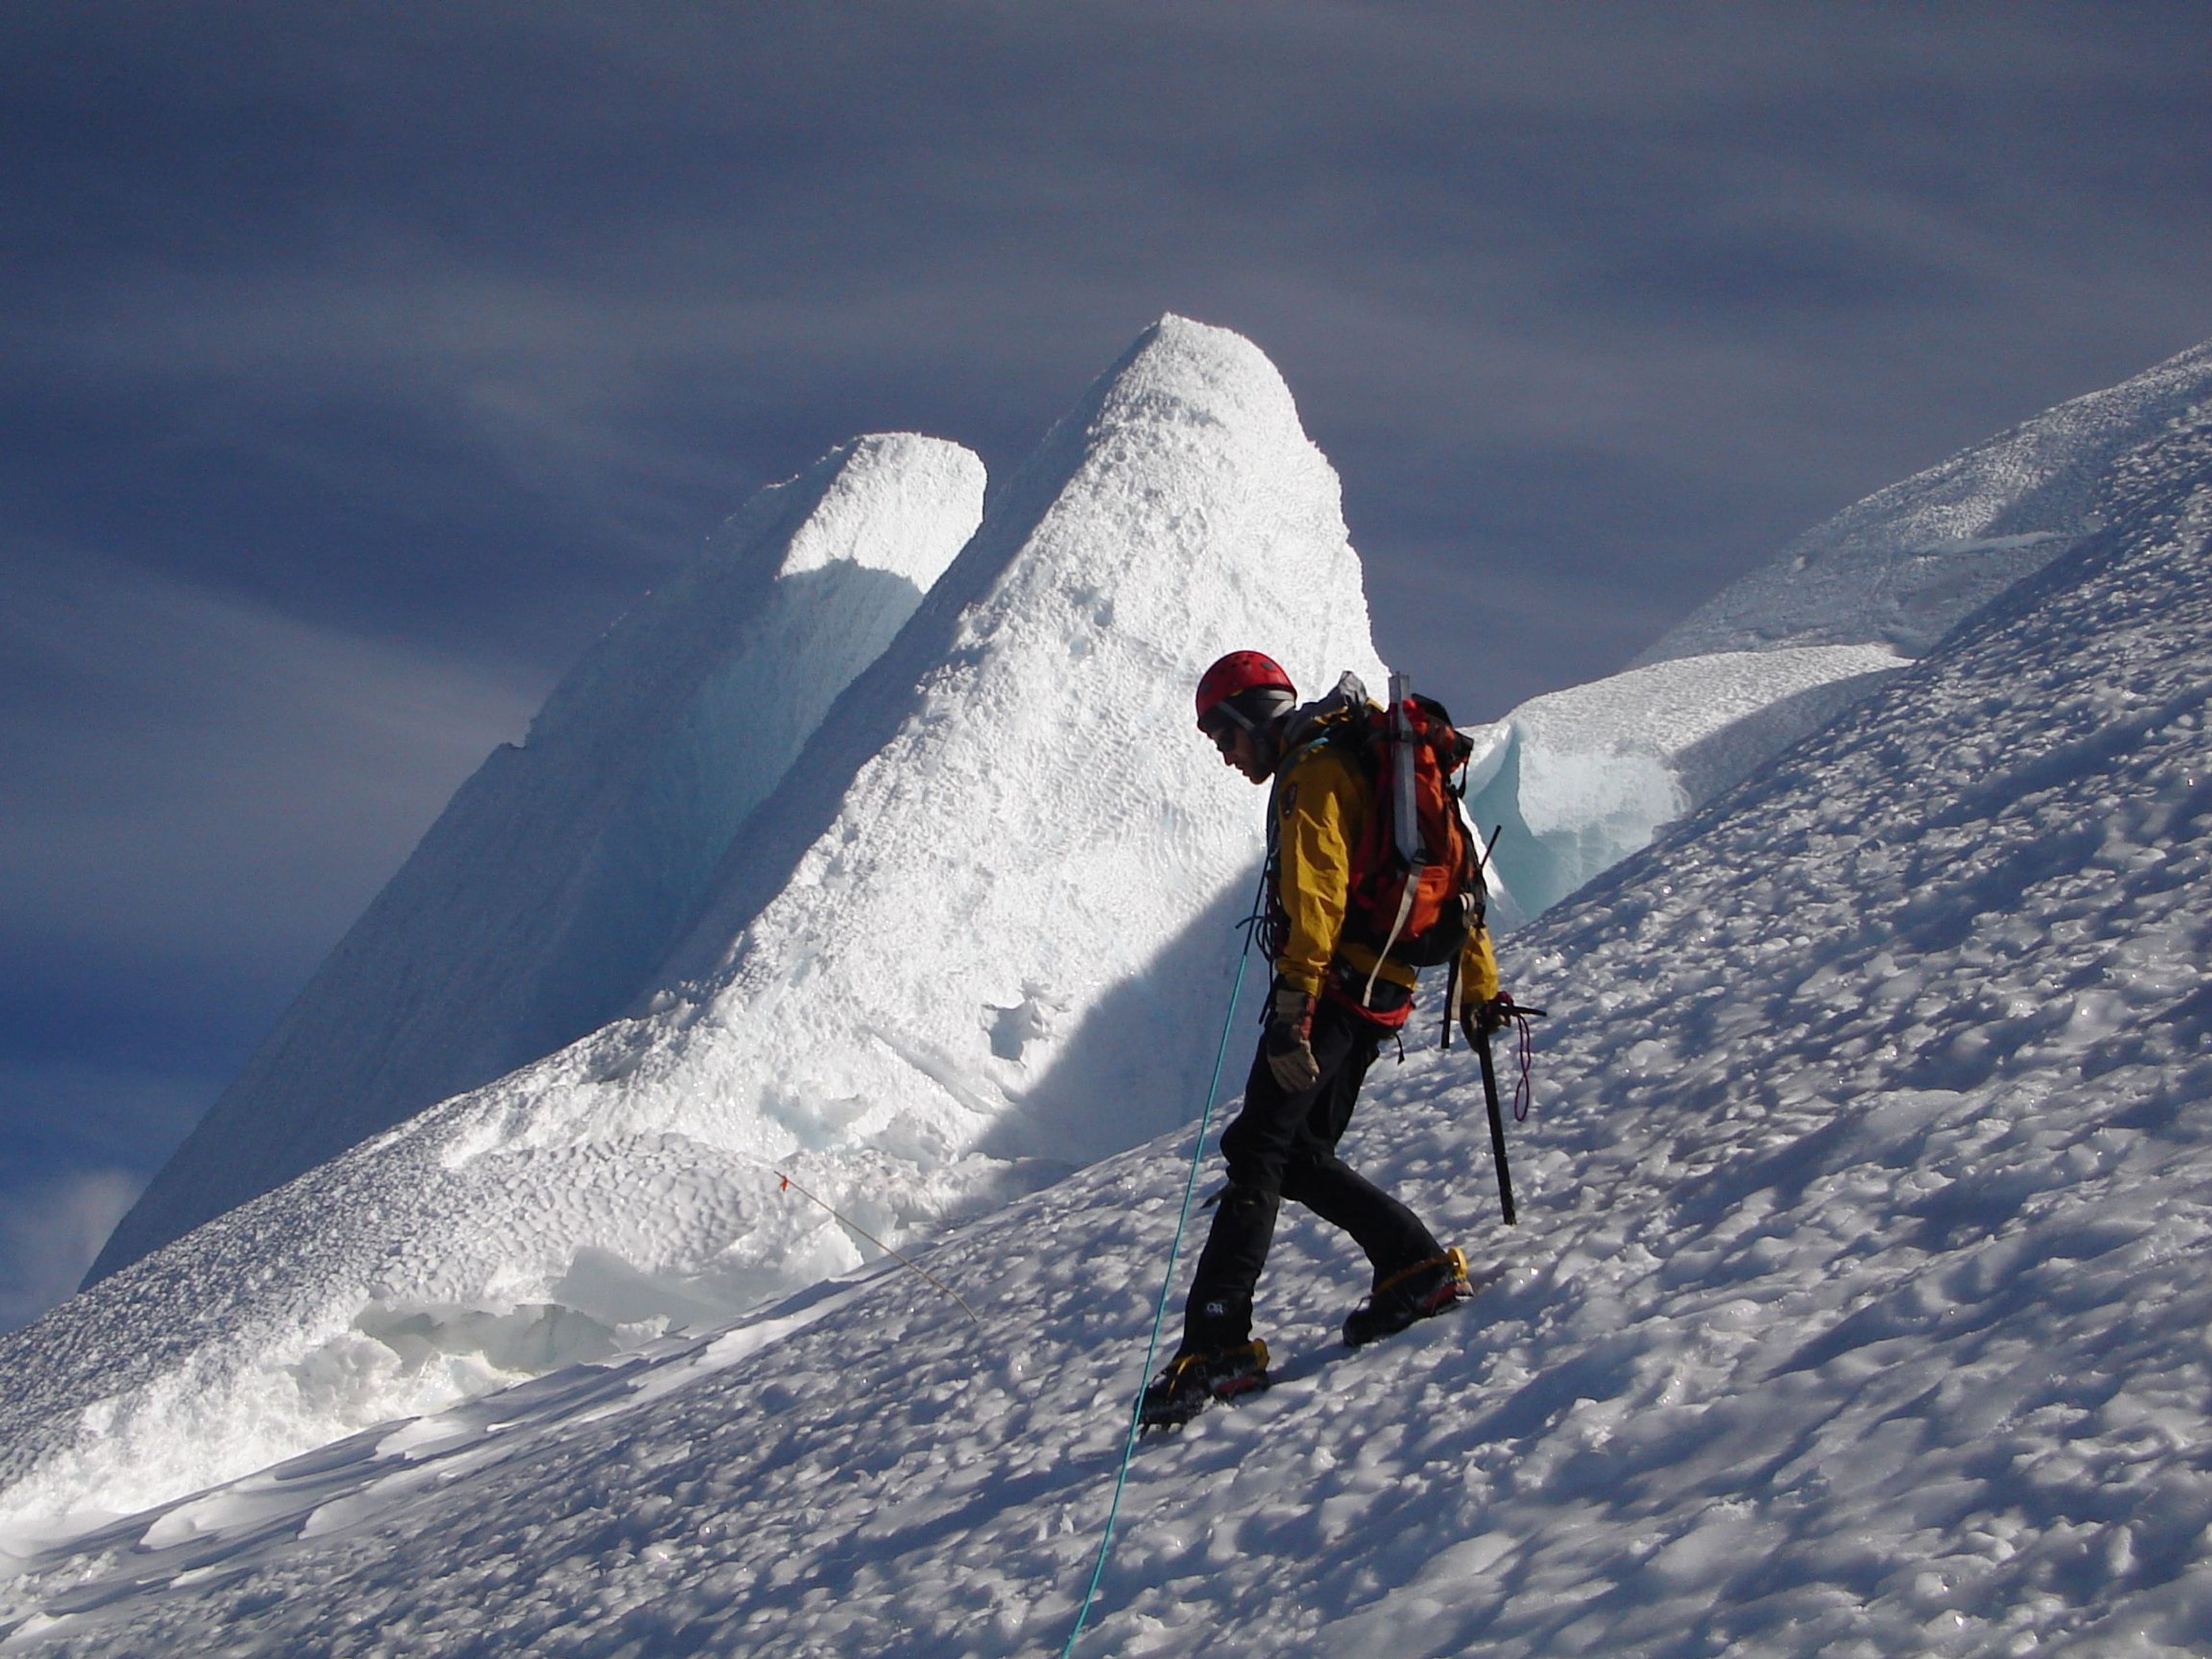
(1167, 1288)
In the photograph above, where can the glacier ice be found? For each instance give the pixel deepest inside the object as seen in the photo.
(956, 951)
(962, 944)
(539, 903)
(1857, 1307)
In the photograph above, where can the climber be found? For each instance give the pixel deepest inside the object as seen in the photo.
(1337, 929)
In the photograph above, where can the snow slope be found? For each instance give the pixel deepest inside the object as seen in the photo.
(1859, 1306)
(1908, 563)
(951, 957)
(563, 871)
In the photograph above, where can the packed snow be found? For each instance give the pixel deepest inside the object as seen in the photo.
(949, 958)
(1857, 1307)
(539, 904)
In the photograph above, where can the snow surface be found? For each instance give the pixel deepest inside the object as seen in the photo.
(563, 871)
(1911, 561)
(1858, 1309)
(952, 956)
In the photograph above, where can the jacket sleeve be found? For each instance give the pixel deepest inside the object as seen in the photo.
(1317, 818)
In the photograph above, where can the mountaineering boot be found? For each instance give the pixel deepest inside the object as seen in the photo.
(1191, 1382)
(1411, 1293)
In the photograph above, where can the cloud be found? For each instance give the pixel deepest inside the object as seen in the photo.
(579, 281)
(507, 305)
(49, 1234)
(196, 777)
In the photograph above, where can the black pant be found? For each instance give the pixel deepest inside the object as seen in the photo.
(1284, 1145)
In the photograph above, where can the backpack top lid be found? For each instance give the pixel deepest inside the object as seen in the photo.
(1340, 716)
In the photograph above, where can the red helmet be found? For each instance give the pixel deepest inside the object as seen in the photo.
(1238, 672)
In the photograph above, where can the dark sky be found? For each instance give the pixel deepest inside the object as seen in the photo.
(358, 364)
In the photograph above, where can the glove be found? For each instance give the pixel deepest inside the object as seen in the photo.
(1480, 1018)
(1288, 1044)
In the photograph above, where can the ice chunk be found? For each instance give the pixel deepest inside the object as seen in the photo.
(1580, 779)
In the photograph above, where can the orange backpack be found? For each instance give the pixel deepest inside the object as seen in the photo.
(1416, 887)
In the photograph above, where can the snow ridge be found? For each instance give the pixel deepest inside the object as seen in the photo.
(560, 873)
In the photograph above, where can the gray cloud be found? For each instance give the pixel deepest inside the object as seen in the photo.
(620, 271)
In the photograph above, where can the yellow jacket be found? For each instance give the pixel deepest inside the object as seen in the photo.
(1321, 802)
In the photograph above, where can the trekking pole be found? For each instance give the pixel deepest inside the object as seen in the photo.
(1251, 926)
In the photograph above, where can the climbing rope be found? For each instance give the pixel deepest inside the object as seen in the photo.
(784, 1183)
(1167, 1287)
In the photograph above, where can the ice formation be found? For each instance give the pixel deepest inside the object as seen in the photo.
(562, 872)
(1857, 1307)
(1580, 779)
(957, 951)
(1574, 782)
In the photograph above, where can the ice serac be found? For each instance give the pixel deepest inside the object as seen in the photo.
(980, 932)
(1906, 564)
(1011, 817)
(1576, 781)
(564, 871)
(1580, 779)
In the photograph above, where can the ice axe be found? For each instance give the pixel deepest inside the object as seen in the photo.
(1481, 1040)
(1497, 1129)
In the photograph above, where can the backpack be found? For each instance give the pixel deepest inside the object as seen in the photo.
(1417, 888)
